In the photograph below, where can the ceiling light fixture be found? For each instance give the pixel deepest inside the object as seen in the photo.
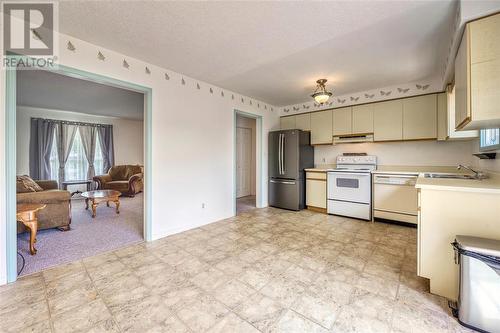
(320, 95)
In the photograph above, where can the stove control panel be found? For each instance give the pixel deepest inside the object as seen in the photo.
(368, 159)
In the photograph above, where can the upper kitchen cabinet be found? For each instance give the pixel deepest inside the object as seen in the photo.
(342, 121)
(477, 75)
(362, 119)
(303, 121)
(442, 116)
(420, 117)
(287, 122)
(388, 121)
(446, 119)
(321, 127)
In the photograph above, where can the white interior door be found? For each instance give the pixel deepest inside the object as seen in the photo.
(243, 161)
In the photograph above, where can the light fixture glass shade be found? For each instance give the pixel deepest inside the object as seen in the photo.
(320, 95)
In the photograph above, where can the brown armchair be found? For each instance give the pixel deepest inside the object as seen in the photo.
(128, 179)
(57, 213)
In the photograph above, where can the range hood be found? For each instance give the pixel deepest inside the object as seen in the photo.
(352, 138)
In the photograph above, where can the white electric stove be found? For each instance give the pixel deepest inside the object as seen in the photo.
(350, 186)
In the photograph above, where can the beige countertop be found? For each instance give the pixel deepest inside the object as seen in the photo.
(393, 169)
(488, 185)
(413, 170)
(316, 169)
(321, 168)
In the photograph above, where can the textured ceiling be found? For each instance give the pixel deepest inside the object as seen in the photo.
(274, 51)
(49, 90)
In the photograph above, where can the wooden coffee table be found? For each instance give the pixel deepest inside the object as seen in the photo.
(27, 215)
(96, 197)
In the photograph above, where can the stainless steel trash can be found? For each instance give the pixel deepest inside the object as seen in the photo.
(479, 293)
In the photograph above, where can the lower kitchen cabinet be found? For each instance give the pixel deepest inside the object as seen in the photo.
(444, 214)
(316, 190)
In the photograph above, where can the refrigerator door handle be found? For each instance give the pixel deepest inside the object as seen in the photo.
(283, 143)
(279, 154)
(282, 137)
(287, 182)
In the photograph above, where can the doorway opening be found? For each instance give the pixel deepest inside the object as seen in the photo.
(83, 143)
(67, 234)
(246, 173)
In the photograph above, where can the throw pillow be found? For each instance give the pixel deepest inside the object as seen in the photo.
(26, 184)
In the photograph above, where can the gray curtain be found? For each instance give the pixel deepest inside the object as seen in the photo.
(88, 135)
(107, 147)
(41, 141)
(64, 140)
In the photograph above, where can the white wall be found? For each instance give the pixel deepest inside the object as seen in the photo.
(251, 124)
(128, 135)
(486, 165)
(192, 141)
(411, 153)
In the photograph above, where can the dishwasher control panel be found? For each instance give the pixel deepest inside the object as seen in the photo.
(408, 180)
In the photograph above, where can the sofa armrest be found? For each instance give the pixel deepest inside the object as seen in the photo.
(44, 197)
(47, 184)
(136, 177)
(101, 180)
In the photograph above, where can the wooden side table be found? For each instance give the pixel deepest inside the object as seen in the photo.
(27, 215)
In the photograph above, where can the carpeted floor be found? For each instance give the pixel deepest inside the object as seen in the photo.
(87, 236)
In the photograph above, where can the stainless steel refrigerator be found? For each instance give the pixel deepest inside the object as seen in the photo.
(290, 153)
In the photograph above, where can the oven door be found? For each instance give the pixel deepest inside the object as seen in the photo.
(349, 186)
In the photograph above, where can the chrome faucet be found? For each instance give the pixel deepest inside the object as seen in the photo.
(477, 174)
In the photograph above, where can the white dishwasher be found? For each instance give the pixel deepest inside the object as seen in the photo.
(395, 197)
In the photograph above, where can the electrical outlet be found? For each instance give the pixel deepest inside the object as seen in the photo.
(323, 160)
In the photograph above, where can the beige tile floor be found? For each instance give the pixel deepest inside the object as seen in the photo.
(265, 270)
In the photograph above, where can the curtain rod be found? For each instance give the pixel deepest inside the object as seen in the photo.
(77, 123)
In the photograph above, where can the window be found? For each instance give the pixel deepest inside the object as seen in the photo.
(76, 166)
(489, 139)
(98, 157)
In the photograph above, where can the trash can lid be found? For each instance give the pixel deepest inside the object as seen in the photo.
(489, 247)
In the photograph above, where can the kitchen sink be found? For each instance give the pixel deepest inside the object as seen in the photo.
(449, 176)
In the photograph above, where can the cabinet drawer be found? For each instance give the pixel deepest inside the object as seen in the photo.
(316, 175)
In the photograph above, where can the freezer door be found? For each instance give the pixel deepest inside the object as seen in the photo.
(286, 194)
